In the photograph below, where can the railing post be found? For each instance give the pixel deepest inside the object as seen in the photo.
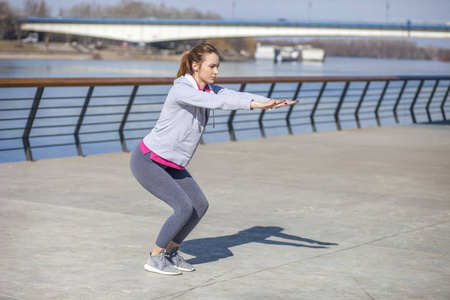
(80, 120)
(443, 103)
(377, 108)
(398, 100)
(338, 108)
(29, 125)
(231, 118)
(291, 108)
(429, 101)
(358, 107)
(313, 124)
(125, 117)
(263, 111)
(411, 108)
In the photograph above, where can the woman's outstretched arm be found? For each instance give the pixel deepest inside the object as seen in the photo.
(272, 103)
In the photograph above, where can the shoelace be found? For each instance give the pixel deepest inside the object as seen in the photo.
(174, 256)
(165, 262)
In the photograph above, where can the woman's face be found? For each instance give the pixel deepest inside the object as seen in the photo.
(208, 70)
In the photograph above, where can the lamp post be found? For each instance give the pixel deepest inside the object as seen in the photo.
(387, 11)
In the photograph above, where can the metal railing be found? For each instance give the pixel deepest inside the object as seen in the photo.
(43, 113)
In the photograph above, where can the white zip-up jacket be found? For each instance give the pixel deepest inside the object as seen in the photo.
(185, 114)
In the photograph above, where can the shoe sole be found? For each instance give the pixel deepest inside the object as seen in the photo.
(185, 270)
(155, 270)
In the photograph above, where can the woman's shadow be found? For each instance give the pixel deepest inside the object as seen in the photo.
(212, 249)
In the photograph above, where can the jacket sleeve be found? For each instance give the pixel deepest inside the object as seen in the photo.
(223, 100)
(220, 90)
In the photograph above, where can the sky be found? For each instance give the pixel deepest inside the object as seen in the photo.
(421, 11)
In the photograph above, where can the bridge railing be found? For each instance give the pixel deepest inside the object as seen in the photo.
(91, 115)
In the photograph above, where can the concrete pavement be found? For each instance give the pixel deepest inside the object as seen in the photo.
(355, 214)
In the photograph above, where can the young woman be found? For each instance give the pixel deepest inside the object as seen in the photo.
(159, 162)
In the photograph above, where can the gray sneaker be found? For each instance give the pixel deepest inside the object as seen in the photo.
(160, 264)
(178, 261)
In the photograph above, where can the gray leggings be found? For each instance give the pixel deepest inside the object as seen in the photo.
(175, 187)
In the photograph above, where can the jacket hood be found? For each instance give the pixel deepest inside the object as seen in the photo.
(188, 79)
(181, 79)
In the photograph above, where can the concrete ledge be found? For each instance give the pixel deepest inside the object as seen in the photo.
(355, 214)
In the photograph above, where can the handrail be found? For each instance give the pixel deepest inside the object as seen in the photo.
(66, 119)
(121, 81)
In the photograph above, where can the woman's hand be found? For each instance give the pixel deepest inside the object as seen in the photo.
(272, 103)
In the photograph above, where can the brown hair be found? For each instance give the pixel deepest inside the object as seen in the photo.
(197, 54)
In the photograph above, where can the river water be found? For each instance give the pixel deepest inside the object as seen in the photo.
(333, 66)
(14, 68)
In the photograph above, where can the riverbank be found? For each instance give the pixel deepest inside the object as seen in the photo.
(18, 50)
(12, 49)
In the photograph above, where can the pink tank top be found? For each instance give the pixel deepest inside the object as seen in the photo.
(158, 158)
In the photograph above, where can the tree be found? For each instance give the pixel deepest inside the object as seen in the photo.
(82, 10)
(133, 9)
(33, 8)
(7, 15)
(43, 10)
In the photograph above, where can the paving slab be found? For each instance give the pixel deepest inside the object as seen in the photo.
(353, 214)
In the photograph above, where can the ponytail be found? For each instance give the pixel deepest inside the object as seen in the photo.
(185, 65)
(197, 54)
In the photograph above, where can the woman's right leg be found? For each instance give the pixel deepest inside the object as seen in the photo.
(158, 182)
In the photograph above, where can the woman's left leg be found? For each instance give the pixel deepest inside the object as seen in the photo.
(199, 202)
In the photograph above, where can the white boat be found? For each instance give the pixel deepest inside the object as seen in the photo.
(265, 52)
(308, 53)
(276, 53)
(287, 54)
(282, 54)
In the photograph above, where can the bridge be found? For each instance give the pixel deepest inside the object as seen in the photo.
(162, 30)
